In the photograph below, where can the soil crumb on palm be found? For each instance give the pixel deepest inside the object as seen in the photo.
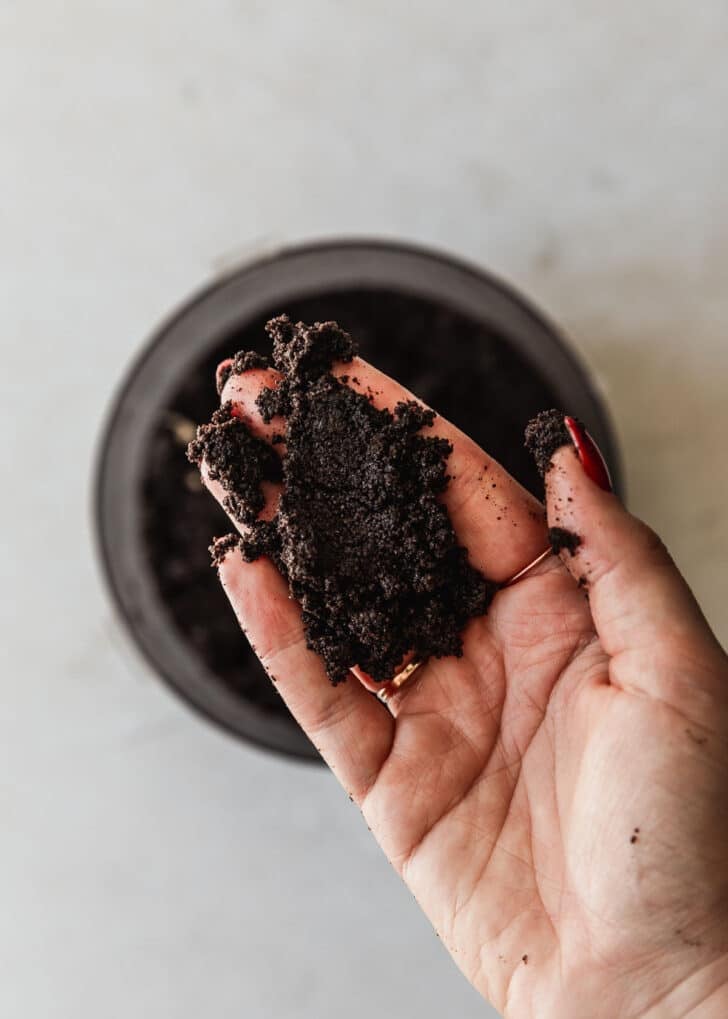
(361, 534)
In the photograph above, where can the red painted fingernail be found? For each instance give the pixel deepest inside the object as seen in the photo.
(589, 454)
(222, 374)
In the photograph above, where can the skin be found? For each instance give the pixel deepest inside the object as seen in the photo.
(556, 798)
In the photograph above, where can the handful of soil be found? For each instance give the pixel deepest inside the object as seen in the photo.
(360, 534)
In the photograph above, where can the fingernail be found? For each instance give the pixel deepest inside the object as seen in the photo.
(589, 454)
(222, 374)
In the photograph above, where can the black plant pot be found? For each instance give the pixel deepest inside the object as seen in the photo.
(463, 341)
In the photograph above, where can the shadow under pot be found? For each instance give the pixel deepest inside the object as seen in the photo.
(465, 343)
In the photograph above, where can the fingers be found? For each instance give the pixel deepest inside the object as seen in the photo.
(350, 728)
(643, 610)
(500, 524)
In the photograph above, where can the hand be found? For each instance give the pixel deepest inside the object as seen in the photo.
(556, 799)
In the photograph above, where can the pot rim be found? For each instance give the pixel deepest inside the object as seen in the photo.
(285, 738)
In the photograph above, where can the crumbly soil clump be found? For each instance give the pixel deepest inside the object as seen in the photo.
(544, 435)
(562, 539)
(361, 534)
(237, 459)
(221, 546)
(243, 361)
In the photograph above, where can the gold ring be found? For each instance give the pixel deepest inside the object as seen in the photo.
(401, 678)
(527, 569)
(388, 689)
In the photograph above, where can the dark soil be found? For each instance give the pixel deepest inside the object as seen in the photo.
(242, 362)
(455, 364)
(562, 539)
(544, 435)
(221, 546)
(238, 460)
(360, 535)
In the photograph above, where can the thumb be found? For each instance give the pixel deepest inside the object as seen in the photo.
(641, 605)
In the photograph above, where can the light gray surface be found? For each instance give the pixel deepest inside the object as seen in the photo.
(148, 865)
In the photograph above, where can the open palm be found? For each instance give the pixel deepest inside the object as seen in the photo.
(555, 798)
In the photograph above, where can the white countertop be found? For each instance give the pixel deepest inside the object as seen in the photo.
(149, 865)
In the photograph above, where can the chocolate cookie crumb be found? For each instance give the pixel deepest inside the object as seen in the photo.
(560, 539)
(360, 535)
(544, 435)
(221, 546)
